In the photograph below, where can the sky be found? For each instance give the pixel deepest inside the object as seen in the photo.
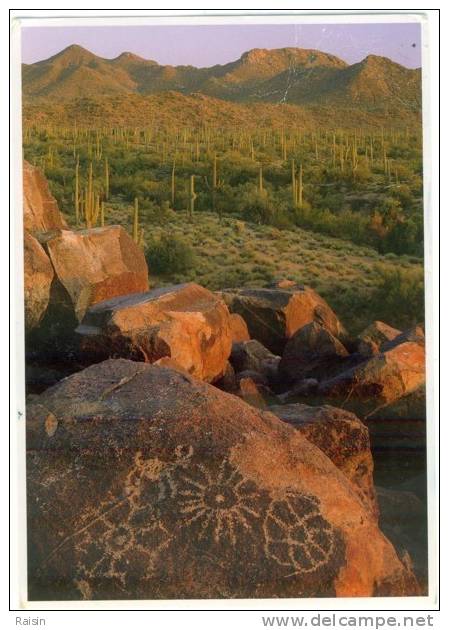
(218, 44)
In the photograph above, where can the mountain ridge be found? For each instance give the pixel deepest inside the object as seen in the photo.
(290, 75)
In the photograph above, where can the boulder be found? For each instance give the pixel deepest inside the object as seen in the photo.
(40, 208)
(38, 276)
(382, 379)
(344, 439)
(310, 352)
(185, 322)
(144, 483)
(252, 355)
(95, 265)
(239, 329)
(371, 340)
(274, 315)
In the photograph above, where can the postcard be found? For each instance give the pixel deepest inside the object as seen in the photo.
(224, 322)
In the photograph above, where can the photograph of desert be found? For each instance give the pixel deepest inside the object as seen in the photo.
(224, 311)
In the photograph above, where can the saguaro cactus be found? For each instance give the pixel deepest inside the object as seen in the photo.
(294, 184)
(77, 193)
(192, 196)
(299, 187)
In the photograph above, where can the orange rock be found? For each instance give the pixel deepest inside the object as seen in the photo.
(157, 485)
(371, 340)
(382, 379)
(95, 265)
(239, 328)
(274, 315)
(185, 322)
(38, 276)
(40, 209)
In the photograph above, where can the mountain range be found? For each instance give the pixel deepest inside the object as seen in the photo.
(291, 76)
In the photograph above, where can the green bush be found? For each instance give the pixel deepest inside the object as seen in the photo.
(169, 254)
(399, 296)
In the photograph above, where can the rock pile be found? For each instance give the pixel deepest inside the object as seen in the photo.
(145, 481)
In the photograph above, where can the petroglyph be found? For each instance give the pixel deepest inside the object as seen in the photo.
(206, 506)
(297, 536)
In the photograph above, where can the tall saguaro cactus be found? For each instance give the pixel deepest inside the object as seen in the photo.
(299, 187)
(294, 183)
(77, 192)
(192, 196)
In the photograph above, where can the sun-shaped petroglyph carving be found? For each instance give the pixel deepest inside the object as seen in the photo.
(218, 505)
(202, 508)
(297, 536)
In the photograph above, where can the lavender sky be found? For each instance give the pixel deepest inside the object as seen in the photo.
(208, 45)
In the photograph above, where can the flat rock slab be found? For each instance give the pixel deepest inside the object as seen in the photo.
(146, 483)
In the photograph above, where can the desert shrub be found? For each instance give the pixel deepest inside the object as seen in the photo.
(169, 254)
(399, 295)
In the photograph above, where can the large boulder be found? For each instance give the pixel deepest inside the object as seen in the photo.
(371, 340)
(274, 315)
(40, 208)
(310, 352)
(95, 265)
(185, 322)
(38, 276)
(382, 379)
(344, 439)
(146, 483)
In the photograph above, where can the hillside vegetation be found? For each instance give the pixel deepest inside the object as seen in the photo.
(285, 147)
